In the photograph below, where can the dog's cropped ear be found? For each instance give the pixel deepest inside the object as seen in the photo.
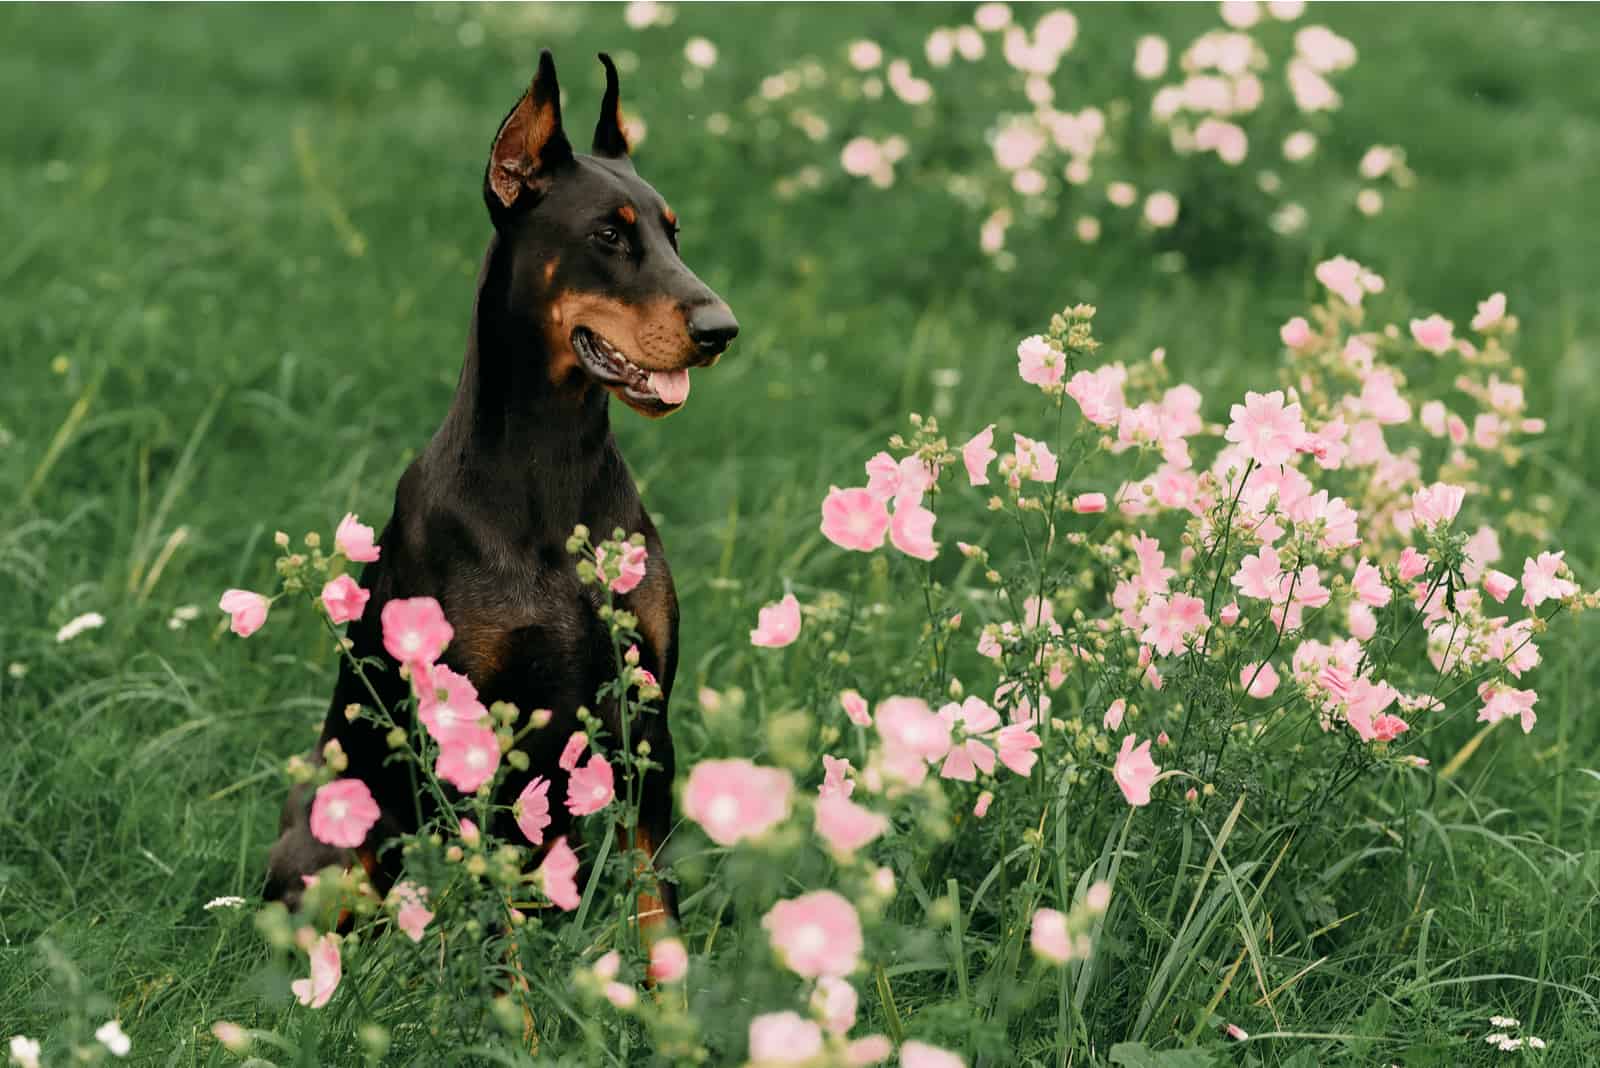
(609, 139)
(531, 146)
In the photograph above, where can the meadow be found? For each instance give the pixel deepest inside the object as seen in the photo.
(244, 243)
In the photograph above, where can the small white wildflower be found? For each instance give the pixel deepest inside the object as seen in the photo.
(228, 901)
(1534, 1042)
(75, 627)
(1504, 1021)
(24, 1051)
(700, 52)
(111, 1036)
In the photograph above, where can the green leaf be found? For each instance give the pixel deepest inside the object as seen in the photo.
(1138, 1055)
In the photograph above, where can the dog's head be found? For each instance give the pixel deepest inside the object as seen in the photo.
(595, 255)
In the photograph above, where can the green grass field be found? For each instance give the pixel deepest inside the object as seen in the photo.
(241, 245)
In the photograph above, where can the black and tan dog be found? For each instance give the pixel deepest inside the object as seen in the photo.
(582, 296)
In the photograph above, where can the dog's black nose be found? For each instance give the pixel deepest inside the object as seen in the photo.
(712, 327)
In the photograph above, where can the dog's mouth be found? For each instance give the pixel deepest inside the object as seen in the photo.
(651, 392)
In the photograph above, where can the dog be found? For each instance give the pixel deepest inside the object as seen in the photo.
(581, 297)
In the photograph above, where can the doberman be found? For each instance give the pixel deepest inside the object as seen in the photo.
(582, 296)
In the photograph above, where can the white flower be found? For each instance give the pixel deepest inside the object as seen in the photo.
(112, 1038)
(700, 52)
(228, 901)
(1503, 1021)
(24, 1051)
(75, 627)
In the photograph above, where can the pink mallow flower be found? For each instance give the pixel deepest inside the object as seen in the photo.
(855, 706)
(1437, 503)
(325, 972)
(558, 875)
(1016, 744)
(669, 961)
(916, 1054)
(411, 914)
(1259, 680)
(854, 519)
(834, 1002)
(784, 1038)
(1502, 701)
(591, 787)
(415, 630)
(977, 454)
(1170, 620)
(632, 567)
(1268, 430)
(249, 611)
(1089, 503)
(344, 599)
(1135, 772)
(1412, 564)
(1541, 580)
(911, 531)
(778, 624)
(449, 705)
(1433, 333)
(532, 809)
(836, 781)
(1368, 586)
(342, 813)
(845, 825)
(815, 934)
(355, 540)
(1050, 938)
(1296, 333)
(1099, 395)
(734, 799)
(468, 757)
(1498, 585)
(572, 752)
(913, 735)
(1039, 363)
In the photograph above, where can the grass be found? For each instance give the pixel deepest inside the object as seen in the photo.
(234, 300)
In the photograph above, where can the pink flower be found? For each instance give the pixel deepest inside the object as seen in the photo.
(1169, 621)
(815, 934)
(355, 540)
(1267, 429)
(834, 1002)
(1499, 585)
(1437, 503)
(1259, 680)
(836, 781)
(1089, 503)
(669, 961)
(1387, 728)
(977, 454)
(411, 915)
(1362, 623)
(854, 519)
(1365, 701)
(468, 757)
(901, 481)
(449, 704)
(1502, 701)
(916, 1054)
(249, 611)
(1237, 1033)
(1039, 363)
(734, 799)
(342, 813)
(325, 972)
(1016, 744)
(1490, 312)
(911, 531)
(847, 826)
(1412, 563)
(415, 630)
(980, 808)
(1541, 580)
(532, 809)
(344, 600)
(632, 567)
(778, 624)
(1296, 333)
(908, 727)
(1135, 772)
(572, 752)
(469, 833)
(1229, 614)
(855, 706)
(1050, 938)
(1113, 716)
(1368, 586)
(591, 787)
(558, 875)
(1433, 333)
(1099, 396)
(1345, 277)
(783, 1038)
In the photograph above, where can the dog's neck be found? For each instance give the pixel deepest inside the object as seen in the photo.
(511, 433)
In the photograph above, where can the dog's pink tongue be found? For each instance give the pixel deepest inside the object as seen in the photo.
(670, 386)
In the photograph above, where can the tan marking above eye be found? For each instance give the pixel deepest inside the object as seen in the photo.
(670, 216)
(627, 214)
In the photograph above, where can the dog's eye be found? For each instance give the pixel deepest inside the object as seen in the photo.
(609, 236)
